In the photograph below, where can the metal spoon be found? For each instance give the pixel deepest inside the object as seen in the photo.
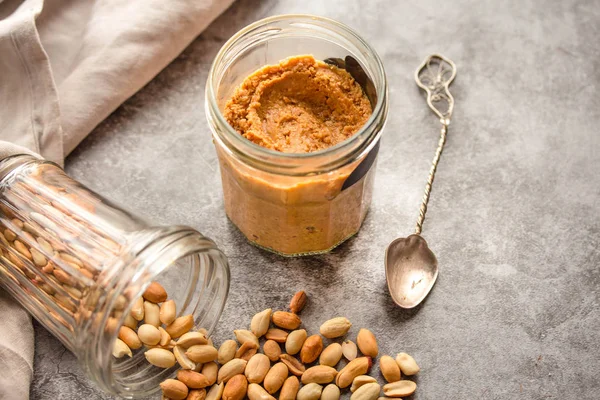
(411, 268)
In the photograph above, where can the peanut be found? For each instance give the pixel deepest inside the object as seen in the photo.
(277, 335)
(256, 392)
(46, 247)
(48, 268)
(290, 388)
(230, 369)
(349, 350)
(168, 312)
(151, 314)
(155, 293)
(295, 340)
(215, 392)
(130, 322)
(165, 338)
(319, 374)
(210, 371)
(407, 364)
(149, 334)
(59, 274)
(180, 326)
(361, 380)
(246, 350)
(298, 302)
(236, 388)
(335, 327)
(192, 379)
(191, 338)
(160, 357)
(17, 222)
(9, 235)
(389, 369)
(368, 391)
(356, 367)
(174, 389)
(71, 259)
(137, 310)
(399, 389)
(312, 391)
(257, 368)
(21, 248)
(227, 351)
(130, 338)
(244, 336)
(311, 349)
(275, 377)
(38, 258)
(331, 392)
(120, 349)
(272, 350)
(294, 366)
(201, 353)
(120, 303)
(331, 356)
(286, 320)
(260, 323)
(196, 394)
(182, 359)
(367, 343)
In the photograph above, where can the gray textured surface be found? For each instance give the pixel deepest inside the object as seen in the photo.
(514, 217)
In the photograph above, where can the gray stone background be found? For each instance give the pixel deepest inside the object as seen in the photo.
(514, 217)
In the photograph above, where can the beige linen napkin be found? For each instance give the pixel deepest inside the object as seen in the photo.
(65, 65)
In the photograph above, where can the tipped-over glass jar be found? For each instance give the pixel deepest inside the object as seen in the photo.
(78, 264)
(295, 203)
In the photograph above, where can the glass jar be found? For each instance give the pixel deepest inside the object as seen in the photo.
(78, 263)
(291, 203)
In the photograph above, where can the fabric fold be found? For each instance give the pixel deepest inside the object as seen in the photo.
(16, 349)
(29, 112)
(118, 47)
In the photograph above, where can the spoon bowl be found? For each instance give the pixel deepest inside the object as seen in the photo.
(411, 270)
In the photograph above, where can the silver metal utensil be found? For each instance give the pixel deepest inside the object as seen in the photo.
(411, 268)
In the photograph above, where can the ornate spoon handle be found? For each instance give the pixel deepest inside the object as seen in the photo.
(434, 76)
(436, 159)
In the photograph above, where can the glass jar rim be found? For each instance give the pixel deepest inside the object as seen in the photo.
(157, 254)
(294, 164)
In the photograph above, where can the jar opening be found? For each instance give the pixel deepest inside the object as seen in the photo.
(268, 41)
(195, 275)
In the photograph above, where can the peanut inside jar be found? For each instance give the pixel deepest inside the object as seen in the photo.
(300, 105)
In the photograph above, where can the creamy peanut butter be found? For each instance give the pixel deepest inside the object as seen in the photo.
(297, 106)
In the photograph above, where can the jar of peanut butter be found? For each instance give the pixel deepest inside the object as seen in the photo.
(297, 105)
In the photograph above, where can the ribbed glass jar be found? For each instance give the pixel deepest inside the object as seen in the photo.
(295, 203)
(78, 263)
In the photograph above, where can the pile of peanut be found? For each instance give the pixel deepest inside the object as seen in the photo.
(233, 372)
